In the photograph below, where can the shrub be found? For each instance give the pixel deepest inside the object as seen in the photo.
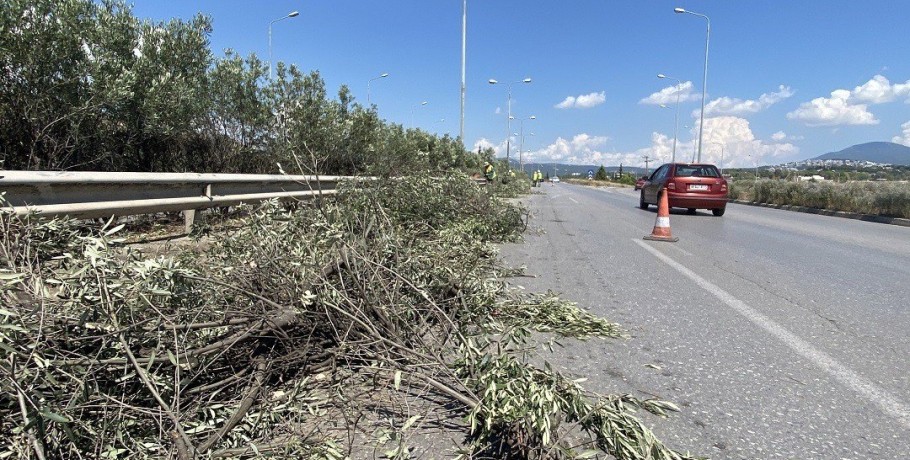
(890, 199)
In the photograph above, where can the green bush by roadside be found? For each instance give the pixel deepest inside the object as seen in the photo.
(890, 199)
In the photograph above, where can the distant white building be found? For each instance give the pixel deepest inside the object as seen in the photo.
(815, 178)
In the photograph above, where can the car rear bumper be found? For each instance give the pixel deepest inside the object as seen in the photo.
(691, 200)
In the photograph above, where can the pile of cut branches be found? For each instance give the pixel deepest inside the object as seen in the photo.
(271, 339)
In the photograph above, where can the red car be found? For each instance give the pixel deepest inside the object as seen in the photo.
(640, 182)
(690, 186)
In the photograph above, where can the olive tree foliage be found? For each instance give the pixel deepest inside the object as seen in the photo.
(237, 126)
(87, 85)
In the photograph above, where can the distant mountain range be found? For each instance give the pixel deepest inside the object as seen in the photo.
(878, 152)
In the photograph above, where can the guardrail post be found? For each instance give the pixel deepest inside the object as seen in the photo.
(188, 217)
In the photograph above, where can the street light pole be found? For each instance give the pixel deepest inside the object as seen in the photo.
(292, 14)
(464, 33)
(721, 157)
(704, 88)
(521, 147)
(371, 81)
(676, 120)
(509, 119)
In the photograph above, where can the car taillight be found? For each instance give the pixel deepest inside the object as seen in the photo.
(723, 186)
(671, 186)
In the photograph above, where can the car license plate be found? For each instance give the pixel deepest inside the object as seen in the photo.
(698, 186)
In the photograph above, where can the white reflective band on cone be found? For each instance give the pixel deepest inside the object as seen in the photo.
(662, 222)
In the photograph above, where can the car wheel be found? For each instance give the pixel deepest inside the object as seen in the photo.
(719, 211)
(641, 200)
(691, 210)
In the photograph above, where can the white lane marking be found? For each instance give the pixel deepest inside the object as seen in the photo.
(687, 253)
(573, 200)
(865, 387)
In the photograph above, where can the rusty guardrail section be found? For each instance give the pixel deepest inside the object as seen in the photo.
(103, 194)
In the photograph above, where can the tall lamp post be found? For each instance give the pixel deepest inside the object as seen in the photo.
(721, 157)
(371, 81)
(676, 120)
(704, 87)
(464, 33)
(509, 119)
(292, 14)
(521, 146)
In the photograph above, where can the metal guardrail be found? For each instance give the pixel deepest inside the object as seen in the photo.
(103, 194)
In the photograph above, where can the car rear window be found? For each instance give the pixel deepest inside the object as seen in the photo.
(697, 171)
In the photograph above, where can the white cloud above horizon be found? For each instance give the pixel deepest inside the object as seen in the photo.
(668, 95)
(584, 101)
(846, 107)
(740, 146)
(833, 111)
(904, 138)
(729, 136)
(879, 90)
(782, 136)
(735, 106)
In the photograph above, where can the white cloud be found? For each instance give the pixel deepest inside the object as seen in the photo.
(729, 143)
(587, 101)
(833, 111)
(567, 103)
(846, 107)
(734, 106)
(498, 149)
(584, 101)
(782, 136)
(583, 149)
(668, 95)
(498, 110)
(730, 136)
(879, 90)
(740, 146)
(904, 138)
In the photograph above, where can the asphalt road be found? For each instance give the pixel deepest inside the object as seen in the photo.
(780, 334)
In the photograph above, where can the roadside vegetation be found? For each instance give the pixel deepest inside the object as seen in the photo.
(891, 199)
(86, 85)
(324, 329)
(320, 330)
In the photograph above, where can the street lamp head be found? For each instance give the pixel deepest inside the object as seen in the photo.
(293, 14)
(511, 117)
(423, 103)
(664, 106)
(384, 75)
(532, 117)
(493, 82)
(679, 10)
(526, 80)
(660, 75)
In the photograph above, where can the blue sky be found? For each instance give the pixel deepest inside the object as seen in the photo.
(787, 80)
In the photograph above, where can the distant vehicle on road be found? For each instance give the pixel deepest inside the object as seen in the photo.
(640, 182)
(690, 186)
(555, 179)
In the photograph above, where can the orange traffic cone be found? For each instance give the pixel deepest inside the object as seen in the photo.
(661, 230)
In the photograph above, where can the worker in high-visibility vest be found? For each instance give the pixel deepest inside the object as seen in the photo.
(537, 178)
(489, 172)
